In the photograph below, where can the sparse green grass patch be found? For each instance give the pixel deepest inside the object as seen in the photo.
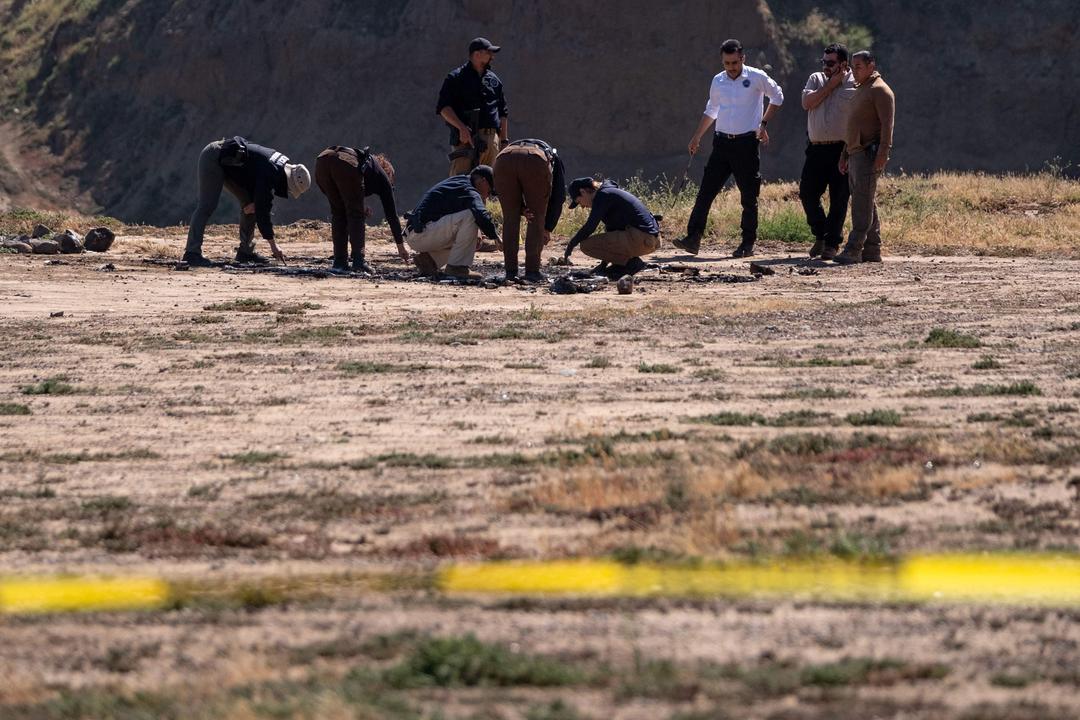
(658, 368)
(945, 338)
(240, 305)
(14, 409)
(598, 361)
(877, 416)
(256, 457)
(467, 662)
(1023, 388)
(51, 386)
(986, 362)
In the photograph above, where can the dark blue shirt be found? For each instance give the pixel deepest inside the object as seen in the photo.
(376, 182)
(448, 197)
(262, 176)
(618, 210)
(464, 89)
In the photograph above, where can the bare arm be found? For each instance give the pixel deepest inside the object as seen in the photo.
(812, 98)
(695, 141)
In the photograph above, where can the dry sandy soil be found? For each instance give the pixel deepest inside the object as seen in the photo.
(221, 427)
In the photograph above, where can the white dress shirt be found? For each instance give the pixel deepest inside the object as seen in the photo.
(737, 105)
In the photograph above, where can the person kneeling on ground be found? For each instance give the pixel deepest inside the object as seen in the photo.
(346, 176)
(254, 174)
(528, 180)
(443, 227)
(631, 230)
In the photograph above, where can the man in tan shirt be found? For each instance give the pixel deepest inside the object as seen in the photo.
(826, 99)
(867, 146)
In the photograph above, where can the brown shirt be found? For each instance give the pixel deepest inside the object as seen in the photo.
(870, 120)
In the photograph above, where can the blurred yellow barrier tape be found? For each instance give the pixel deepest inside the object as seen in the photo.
(73, 594)
(960, 578)
(1015, 579)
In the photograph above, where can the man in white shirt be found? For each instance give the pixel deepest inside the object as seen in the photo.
(826, 99)
(735, 113)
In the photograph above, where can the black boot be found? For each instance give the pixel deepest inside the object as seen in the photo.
(745, 249)
(196, 260)
(250, 257)
(818, 248)
(634, 266)
(691, 243)
(360, 265)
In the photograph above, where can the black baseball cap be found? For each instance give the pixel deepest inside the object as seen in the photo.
(576, 186)
(483, 44)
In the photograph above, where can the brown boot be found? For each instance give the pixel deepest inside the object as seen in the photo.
(851, 255)
(871, 253)
(818, 248)
(829, 251)
(425, 264)
(462, 272)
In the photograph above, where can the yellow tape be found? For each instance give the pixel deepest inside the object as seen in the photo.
(69, 594)
(1051, 579)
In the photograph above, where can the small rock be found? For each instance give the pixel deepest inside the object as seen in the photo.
(70, 242)
(625, 285)
(40, 231)
(181, 265)
(108, 267)
(563, 286)
(45, 247)
(99, 239)
(17, 246)
(759, 269)
(59, 313)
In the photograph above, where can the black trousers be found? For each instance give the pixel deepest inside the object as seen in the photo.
(821, 172)
(730, 156)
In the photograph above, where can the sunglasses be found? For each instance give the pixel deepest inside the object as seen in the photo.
(829, 63)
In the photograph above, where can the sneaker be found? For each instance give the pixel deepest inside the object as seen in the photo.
(425, 264)
(634, 266)
(251, 258)
(690, 244)
(535, 276)
(461, 272)
(361, 266)
(196, 260)
(829, 252)
(487, 247)
(745, 249)
(818, 248)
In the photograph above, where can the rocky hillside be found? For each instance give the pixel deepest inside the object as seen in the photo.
(110, 101)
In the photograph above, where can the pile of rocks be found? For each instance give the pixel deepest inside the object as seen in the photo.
(44, 241)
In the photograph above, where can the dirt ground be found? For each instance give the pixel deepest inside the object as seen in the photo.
(222, 427)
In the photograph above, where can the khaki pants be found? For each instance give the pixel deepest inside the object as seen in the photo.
(620, 246)
(450, 240)
(464, 165)
(865, 227)
(522, 180)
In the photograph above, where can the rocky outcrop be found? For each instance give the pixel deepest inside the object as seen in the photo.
(618, 92)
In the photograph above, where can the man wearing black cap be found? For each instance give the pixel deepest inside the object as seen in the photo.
(471, 102)
(443, 227)
(630, 229)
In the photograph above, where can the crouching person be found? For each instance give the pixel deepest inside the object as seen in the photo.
(443, 229)
(254, 175)
(630, 229)
(346, 176)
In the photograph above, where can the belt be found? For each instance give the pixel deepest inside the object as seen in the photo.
(826, 142)
(729, 136)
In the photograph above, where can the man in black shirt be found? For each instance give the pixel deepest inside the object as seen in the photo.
(346, 176)
(254, 175)
(529, 180)
(443, 227)
(471, 102)
(630, 229)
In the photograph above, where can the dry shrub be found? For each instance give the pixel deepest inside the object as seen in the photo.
(148, 247)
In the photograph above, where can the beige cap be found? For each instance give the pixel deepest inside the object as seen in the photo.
(299, 180)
